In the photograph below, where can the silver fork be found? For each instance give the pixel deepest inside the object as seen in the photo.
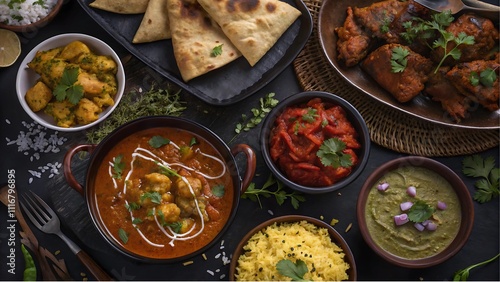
(45, 219)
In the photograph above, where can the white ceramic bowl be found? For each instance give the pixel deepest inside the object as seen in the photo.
(26, 77)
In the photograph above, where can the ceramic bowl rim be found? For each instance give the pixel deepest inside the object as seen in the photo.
(354, 117)
(460, 189)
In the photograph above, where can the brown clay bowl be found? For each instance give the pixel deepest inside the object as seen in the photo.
(465, 208)
(334, 236)
(98, 152)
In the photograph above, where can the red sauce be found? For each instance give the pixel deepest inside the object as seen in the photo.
(125, 208)
(297, 136)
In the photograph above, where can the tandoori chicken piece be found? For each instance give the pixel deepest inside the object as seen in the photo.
(440, 89)
(404, 85)
(460, 75)
(353, 43)
(377, 17)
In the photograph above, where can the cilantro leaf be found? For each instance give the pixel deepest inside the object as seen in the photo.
(488, 185)
(118, 166)
(310, 116)
(217, 51)
(218, 190)
(157, 141)
(420, 211)
(165, 170)
(67, 87)
(123, 235)
(155, 197)
(295, 270)
(330, 153)
(488, 77)
(398, 59)
(132, 206)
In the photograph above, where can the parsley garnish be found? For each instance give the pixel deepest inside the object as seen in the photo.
(330, 153)
(67, 89)
(157, 141)
(176, 226)
(463, 274)
(123, 235)
(280, 194)
(165, 170)
(155, 197)
(487, 78)
(118, 166)
(217, 51)
(132, 206)
(218, 190)
(398, 59)
(136, 220)
(266, 105)
(193, 142)
(295, 270)
(488, 185)
(439, 23)
(420, 211)
(310, 116)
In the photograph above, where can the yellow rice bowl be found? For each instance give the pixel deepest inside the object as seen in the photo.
(292, 241)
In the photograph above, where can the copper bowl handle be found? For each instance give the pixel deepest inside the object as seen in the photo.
(251, 163)
(68, 173)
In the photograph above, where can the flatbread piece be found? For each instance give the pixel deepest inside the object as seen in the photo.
(253, 26)
(194, 36)
(155, 24)
(121, 6)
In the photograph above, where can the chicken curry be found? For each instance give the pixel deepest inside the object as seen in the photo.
(163, 193)
(75, 84)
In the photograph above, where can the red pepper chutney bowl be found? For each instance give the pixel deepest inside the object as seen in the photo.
(315, 142)
(162, 189)
(415, 212)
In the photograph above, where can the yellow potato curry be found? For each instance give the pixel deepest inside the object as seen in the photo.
(75, 84)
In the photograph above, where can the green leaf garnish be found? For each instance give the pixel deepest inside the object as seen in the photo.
(488, 77)
(176, 226)
(310, 116)
(463, 274)
(193, 142)
(136, 220)
(295, 270)
(118, 166)
(217, 51)
(123, 235)
(155, 197)
(252, 193)
(131, 206)
(330, 153)
(398, 59)
(157, 141)
(67, 89)
(165, 170)
(218, 190)
(420, 211)
(488, 185)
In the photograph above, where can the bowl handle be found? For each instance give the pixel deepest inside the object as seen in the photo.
(251, 163)
(68, 174)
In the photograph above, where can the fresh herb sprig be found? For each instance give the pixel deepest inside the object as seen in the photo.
(280, 194)
(420, 211)
(296, 270)
(68, 87)
(463, 274)
(216, 51)
(330, 153)
(134, 105)
(399, 59)
(439, 22)
(267, 103)
(488, 185)
(486, 77)
(118, 166)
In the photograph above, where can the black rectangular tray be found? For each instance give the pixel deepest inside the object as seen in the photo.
(224, 86)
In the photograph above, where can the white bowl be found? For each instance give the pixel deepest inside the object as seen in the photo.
(26, 77)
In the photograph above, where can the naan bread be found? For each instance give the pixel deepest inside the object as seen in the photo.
(194, 37)
(121, 6)
(253, 26)
(155, 24)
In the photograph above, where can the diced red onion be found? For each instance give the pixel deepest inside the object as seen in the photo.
(405, 206)
(411, 191)
(431, 226)
(401, 219)
(426, 222)
(419, 226)
(441, 205)
(383, 186)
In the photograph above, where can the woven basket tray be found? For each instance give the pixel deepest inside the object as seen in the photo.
(388, 127)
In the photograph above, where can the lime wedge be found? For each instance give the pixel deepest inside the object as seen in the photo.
(10, 47)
